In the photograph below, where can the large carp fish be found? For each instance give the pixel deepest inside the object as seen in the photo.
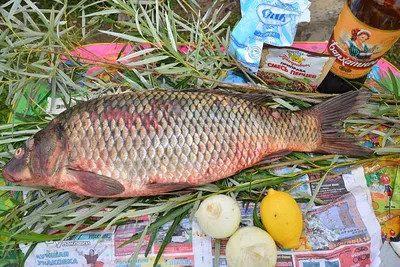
(152, 142)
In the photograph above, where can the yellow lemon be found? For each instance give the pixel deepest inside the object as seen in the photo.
(282, 218)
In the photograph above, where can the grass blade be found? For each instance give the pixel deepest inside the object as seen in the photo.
(394, 83)
(151, 27)
(125, 36)
(170, 34)
(161, 220)
(256, 220)
(151, 242)
(148, 60)
(139, 245)
(88, 213)
(109, 215)
(168, 236)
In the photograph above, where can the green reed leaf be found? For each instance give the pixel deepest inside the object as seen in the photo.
(168, 236)
(90, 212)
(153, 238)
(394, 84)
(148, 60)
(124, 204)
(256, 219)
(139, 245)
(171, 35)
(161, 220)
(124, 36)
(151, 27)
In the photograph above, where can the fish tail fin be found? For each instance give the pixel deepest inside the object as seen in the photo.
(331, 113)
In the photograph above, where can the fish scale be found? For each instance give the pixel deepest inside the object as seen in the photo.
(203, 138)
(152, 142)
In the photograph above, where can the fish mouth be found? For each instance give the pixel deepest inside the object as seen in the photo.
(10, 178)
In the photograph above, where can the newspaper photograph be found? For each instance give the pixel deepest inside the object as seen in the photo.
(179, 252)
(83, 250)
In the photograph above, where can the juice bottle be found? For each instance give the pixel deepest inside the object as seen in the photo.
(365, 30)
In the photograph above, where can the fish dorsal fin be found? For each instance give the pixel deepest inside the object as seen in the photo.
(96, 184)
(256, 98)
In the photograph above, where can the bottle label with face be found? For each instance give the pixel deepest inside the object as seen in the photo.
(357, 46)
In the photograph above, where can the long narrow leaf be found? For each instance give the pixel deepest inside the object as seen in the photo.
(168, 236)
(139, 246)
(171, 35)
(122, 206)
(124, 36)
(394, 83)
(161, 220)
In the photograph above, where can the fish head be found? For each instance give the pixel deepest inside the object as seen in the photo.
(17, 169)
(40, 158)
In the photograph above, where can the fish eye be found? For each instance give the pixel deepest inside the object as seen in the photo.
(19, 152)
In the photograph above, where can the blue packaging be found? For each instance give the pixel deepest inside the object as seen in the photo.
(272, 22)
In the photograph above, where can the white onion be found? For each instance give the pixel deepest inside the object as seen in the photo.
(251, 246)
(219, 216)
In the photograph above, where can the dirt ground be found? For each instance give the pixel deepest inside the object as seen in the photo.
(324, 14)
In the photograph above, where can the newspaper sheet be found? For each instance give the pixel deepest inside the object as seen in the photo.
(344, 232)
(383, 180)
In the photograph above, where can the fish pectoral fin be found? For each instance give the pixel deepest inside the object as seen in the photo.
(96, 184)
(167, 188)
(272, 157)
